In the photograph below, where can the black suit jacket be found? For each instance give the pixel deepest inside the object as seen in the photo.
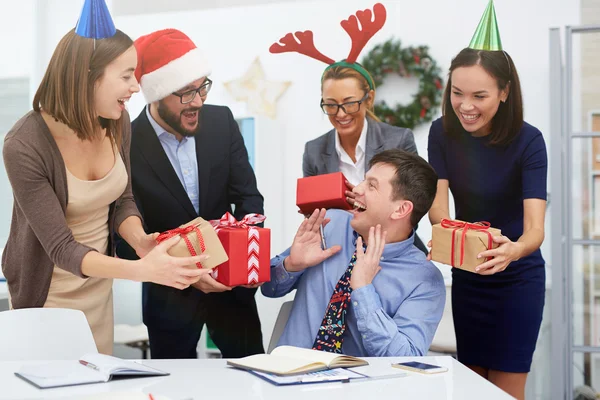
(225, 178)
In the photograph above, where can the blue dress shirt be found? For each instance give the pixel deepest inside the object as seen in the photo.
(396, 315)
(182, 156)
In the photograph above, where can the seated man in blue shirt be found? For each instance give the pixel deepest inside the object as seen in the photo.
(384, 301)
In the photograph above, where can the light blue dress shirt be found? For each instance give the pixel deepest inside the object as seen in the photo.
(183, 159)
(396, 315)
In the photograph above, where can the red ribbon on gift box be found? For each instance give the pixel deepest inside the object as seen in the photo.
(183, 232)
(481, 226)
(229, 221)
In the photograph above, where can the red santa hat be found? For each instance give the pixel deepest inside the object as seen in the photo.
(168, 60)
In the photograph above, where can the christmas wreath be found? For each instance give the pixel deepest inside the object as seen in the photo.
(390, 57)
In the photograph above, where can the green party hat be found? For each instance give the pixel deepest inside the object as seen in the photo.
(487, 36)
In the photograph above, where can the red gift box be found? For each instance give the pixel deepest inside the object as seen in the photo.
(248, 248)
(322, 191)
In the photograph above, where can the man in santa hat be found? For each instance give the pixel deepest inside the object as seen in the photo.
(188, 159)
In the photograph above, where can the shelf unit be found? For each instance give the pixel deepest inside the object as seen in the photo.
(593, 258)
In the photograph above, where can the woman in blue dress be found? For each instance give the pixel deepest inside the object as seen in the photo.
(495, 165)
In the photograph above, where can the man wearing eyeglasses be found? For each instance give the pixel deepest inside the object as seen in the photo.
(188, 159)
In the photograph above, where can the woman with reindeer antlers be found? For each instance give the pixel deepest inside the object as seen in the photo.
(347, 98)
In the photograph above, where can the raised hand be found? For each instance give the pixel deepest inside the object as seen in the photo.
(306, 250)
(350, 195)
(178, 272)
(367, 263)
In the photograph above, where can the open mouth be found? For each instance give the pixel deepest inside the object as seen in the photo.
(122, 101)
(344, 122)
(190, 116)
(470, 118)
(359, 207)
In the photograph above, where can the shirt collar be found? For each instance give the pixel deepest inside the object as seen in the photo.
(360, 146)
(159, 130)
(392, 250)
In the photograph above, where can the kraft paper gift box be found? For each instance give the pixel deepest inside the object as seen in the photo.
(450, 243)
(197, 237)
(322, 191)
(248, 248)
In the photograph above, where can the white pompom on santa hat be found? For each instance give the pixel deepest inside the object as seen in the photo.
(168, 60)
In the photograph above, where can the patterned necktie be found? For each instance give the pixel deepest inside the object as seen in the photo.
(331, 332)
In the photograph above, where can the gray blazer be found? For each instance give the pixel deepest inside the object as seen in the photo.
(320, 156)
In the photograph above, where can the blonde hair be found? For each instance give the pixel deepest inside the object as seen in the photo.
(66, 91)
(339, 72)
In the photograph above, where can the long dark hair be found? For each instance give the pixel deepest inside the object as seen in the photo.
(508, 120)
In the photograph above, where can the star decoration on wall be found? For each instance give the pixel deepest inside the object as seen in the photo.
(259, 94)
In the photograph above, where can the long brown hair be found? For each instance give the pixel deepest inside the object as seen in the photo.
(339, 72)
(66, 91)
(508, 121)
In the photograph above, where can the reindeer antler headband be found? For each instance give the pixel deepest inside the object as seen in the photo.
(303, 41)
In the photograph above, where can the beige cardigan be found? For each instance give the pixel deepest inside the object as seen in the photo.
(39, 236)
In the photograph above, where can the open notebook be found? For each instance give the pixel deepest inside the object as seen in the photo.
(290, 360)
(91, 368)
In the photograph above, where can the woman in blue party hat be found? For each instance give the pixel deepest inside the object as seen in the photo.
(495, 165)
(68, 166)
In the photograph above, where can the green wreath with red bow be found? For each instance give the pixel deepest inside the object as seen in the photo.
(391, 58)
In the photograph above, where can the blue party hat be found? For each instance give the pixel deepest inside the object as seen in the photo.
(95, 21)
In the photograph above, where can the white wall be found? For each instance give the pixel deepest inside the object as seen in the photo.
(233, 37)
(17, 39)
(136, 7)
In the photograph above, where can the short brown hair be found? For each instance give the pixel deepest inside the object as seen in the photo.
(508, 121)
(415, 180)
(339, 73)
(66, 91)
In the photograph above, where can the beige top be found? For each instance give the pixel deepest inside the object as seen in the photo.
(39, 235)
(87, 217)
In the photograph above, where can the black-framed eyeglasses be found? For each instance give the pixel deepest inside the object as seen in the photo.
(190, 95)
(349, 108)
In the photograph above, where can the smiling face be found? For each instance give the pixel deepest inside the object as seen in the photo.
(475, 98)
(374, 203)
(347, 90)
(116, 85)
(182, 119)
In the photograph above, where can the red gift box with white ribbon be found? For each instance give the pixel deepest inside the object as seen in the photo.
(248, 248)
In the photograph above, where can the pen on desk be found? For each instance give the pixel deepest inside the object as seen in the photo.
(323, 243)
(89, 365)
